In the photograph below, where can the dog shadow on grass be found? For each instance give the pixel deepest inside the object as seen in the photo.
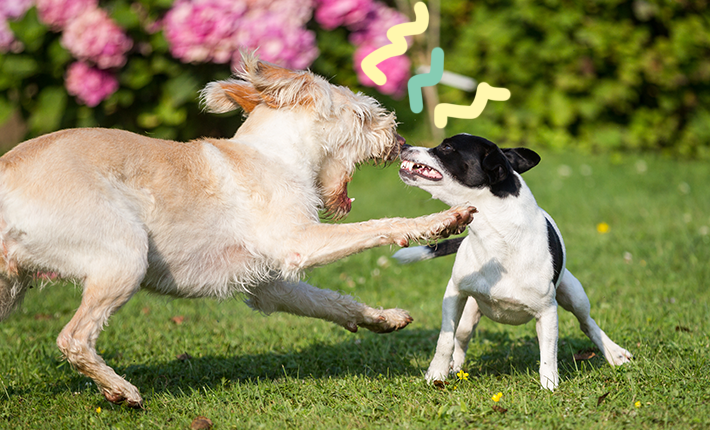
(406, 353)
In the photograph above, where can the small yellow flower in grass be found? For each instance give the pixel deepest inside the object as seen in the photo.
(463, 376)
(603, 228)
(497, 397)
(98, 410)
(637, 404)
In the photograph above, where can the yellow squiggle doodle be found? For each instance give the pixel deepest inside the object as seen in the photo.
(398, 46)
(484, 92)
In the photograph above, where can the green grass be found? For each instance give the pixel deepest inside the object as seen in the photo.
(647, 279)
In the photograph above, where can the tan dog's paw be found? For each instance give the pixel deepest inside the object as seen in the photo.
(386, 320)
(440, 225)
(131, 398)
(461, 217)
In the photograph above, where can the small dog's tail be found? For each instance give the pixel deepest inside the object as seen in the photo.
(419, 253)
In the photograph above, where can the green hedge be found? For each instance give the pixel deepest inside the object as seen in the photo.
(598, 74)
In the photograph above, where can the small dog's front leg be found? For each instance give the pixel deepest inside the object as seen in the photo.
(467, 325)
(547, 333)
(452, 309)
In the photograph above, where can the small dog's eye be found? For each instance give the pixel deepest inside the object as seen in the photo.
(447, 148)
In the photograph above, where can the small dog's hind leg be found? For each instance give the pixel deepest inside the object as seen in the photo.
(300, 298)
(467, 325)
(571, 296)
(547, 328)
(101, 298)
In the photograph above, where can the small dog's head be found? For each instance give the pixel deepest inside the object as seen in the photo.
(464, 166)
(343, 128)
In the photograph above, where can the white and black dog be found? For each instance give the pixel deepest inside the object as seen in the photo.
(511, 266)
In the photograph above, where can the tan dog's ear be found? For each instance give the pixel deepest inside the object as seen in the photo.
(226, 96)
(278, 86)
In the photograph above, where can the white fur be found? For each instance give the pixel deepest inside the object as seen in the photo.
(413, 254)
(118, 212)
(503, 270)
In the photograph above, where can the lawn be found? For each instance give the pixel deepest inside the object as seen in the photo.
(647, 279)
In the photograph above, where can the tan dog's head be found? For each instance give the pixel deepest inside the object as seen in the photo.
(349, 128)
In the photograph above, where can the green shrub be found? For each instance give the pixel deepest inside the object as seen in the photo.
(602, 74)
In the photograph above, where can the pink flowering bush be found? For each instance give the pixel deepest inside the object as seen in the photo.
(58, 13)
(14, 9)
(89, 84)
(215, 30)
(332, 13)
(202, 31)
(11, 10)
(6, 37)
(276, 40)
(396, 69)
(138, 64)
(368, 22)
(94, 37)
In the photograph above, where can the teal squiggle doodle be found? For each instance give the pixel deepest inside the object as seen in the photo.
(415, 84)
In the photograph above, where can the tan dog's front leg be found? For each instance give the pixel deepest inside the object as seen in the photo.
(320, 244)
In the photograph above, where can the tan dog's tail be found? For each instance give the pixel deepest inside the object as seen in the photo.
(12, 284)
(12, 291)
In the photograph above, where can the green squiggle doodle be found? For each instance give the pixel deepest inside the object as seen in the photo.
(398, 46)
(415, 84)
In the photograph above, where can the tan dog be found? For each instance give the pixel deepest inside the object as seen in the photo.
(117, 212)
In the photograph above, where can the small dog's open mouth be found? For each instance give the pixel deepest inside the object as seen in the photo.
(418, 169)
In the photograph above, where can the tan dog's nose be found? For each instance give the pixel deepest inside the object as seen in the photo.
(400, 140)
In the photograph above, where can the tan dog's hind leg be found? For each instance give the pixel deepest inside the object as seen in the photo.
(78, 339)
(302, 299)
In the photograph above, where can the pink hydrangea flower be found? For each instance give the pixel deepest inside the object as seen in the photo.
(89, 84)
(203, 30)
(370, 34)
(277, 40)
(7, 39)
(396, 69)
(335, 13)
(373, 29)
(14, 9)
(58, 13)
(295, 12)
(95, 38)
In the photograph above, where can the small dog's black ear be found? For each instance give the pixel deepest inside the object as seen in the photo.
(495, 166)
(521, 159)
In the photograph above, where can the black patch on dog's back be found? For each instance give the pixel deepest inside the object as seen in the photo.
(555, 246)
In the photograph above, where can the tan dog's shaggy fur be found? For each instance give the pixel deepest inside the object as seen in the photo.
(118, 212)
